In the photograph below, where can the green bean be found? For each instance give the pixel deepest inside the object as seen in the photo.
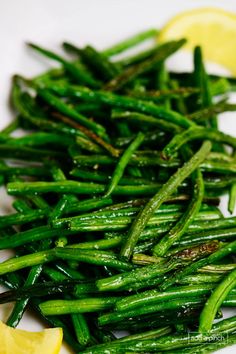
(135, 204)
(81, 328)
(29, 260)
(98, 244)
(197, 75)
(67, 110)
(128, 279)
(96, 61)
(20, 306)
(31, 235)
(142, 202)
(138, 58)
(232, 199)
(130, 42)
(162, 52)
(59, 208)
(141, 161)
(149, 297)
(77, 73)
(62, 307)
(168, 188)
(70, 186)
(139, 118)
(202, 81)
(58, 175)
(92, 257)
(208, 112)
(161, 95)
(203, 278)
(197, 133)
(219, 254)
(121, 165)
(201, 236)
(214, 302)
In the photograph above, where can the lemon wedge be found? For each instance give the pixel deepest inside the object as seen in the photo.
(17, 341)
(211, 28)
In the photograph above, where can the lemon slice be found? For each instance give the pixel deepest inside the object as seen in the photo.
(17, 341)
(213, 29)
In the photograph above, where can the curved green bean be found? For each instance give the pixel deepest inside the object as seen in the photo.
(122, 163)
(194, 133)
(214, 302)
(167, 189)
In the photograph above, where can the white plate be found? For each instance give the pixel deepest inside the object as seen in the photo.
(99, 22)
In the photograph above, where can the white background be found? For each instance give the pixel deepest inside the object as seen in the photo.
(99, 22)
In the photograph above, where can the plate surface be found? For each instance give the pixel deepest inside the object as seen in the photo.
(101, 23)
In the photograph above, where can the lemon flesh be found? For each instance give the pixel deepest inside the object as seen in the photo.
(17, 341)
(213, 29)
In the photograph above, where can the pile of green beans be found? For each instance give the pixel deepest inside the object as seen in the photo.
(116, 185)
